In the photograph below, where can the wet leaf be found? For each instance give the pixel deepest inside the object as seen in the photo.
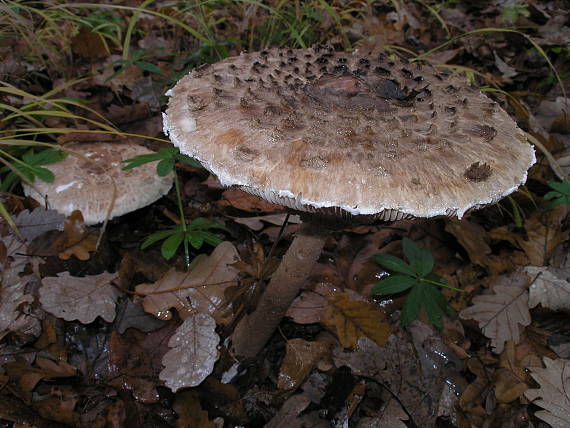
(199, 290)
(554, 392)
(301, 357)
(547, 289)
(193, 355)
(502, 315)
(353, 319)
(80, 298)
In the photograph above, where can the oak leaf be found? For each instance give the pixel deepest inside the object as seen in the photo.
(80, 298)
(353, 319)
(199, 290)
(33, 224)
(77, 239)
(16, 310)
(301, 357)
(502, 315)
(554, 392)
(548, 289)
(194, 353)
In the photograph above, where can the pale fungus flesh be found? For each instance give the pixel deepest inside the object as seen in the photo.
(87, 180)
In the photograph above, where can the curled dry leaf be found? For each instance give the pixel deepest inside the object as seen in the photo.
(301, 357)
(77, 240)
(547, 289)
(554, 392)
(256, 223)
(543, 234)
(502, 315)
(193, 355)
(15, 304)
(354, 319)
(80, 298)
(473, 238)
(186, 291)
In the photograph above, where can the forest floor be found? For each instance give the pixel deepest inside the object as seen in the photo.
(89, 321)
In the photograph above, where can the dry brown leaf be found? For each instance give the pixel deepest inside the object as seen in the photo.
(80, 298)
(307, 308)
(543, 234)
(77, 239)
(194, 353)
(392, 416)
(510, 377)
(502, 315)
(16, 312)
(190, 412)
(247, 202)
(301, 357)
(554, 392)
(257, 223)
(287, 416)
(187, 293)
(354, 319)
(547, 289)
(473, 238)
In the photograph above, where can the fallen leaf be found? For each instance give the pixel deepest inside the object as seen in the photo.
(307, 308)
(300, 358)
(547, 289)
(35, 223)
(392, 416)
(544, 233)
(80, 298)
(397, 367)
(257, 223)
(89, 44)
(354, 319)
(190, 412)
(502, 315)
(193, 355)
(286, 417)
(473, 238)
(16, 306)
(554, 392)
(189, 292)
(476, 392)
(510, 377)
(77, 239)
(247, 202)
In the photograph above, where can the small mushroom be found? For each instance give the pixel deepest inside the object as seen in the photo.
(86, 181)
(353, 136)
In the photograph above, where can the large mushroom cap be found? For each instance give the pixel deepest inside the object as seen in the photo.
(87, 184)
(348, 133)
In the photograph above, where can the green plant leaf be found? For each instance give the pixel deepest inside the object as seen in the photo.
(44, 174)
(394, 284)
(420, 259)
(412, 305)
(158, 236)
(560, 194)
(394, 264)
(147, 66)
(188, 160)
(165, 167)
(204, 223)
(171, 244)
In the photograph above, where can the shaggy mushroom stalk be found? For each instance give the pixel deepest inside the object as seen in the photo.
(254, 330)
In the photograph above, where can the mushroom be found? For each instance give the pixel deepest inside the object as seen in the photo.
(85, 181)
(347, 136)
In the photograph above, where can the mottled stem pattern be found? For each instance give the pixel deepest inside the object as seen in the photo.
(254, 330)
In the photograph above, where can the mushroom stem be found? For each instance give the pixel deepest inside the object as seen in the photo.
(254, 330)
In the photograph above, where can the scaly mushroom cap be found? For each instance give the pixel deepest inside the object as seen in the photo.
(347, 133)
(87, 185)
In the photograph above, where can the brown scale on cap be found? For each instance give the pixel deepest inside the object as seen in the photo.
(348, 133)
